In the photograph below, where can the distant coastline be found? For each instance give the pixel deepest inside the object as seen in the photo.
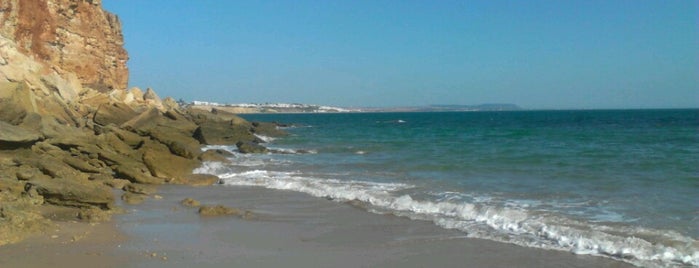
(254, 108)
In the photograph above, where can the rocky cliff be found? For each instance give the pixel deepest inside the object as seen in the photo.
(70, 135)
(71, 39)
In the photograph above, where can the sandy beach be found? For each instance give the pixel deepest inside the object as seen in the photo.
(289, 229)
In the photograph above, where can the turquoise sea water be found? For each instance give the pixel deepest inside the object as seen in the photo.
(622, 184)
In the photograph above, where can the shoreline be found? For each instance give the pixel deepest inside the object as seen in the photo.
(288, 228)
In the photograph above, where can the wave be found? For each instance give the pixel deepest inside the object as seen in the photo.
(517, 225)
(276, 150)
(264, 138)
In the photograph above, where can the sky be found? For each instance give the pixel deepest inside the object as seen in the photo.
(538, 54)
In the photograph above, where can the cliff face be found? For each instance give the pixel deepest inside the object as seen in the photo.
(64, 37)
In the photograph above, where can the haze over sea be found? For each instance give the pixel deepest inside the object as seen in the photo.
(617, 183)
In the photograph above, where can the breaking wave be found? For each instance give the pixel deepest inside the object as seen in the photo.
(483, 219)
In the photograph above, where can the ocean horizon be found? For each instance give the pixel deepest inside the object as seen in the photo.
(615, 183)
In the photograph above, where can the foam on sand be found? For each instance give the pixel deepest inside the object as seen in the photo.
(515, 225)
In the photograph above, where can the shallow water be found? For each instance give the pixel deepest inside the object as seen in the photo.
(292, 229)
(620, 184)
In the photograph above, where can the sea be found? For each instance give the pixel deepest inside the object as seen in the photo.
(622, 184)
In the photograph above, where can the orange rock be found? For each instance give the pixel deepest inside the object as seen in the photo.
(75, 36)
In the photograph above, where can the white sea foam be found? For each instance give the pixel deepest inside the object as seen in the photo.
(479, 218)
(278, 150)
(230, 149)
(210, 168)
(242, 160)
(265, 138)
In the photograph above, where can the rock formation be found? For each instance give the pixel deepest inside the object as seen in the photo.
(67, 36)
(70, 134)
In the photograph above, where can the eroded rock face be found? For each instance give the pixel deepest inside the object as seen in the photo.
(71, 36)
(70, 134)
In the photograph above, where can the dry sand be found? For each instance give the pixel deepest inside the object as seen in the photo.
(290, 230)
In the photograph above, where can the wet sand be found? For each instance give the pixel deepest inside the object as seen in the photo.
(67, 244)
(290, 230)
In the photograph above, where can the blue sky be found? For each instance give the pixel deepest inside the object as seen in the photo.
(537, 54)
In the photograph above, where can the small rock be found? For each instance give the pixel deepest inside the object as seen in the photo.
(132, 198)
(189, 202)
(139, 188)
(94, 215)
(196, 180)
(218, 210)
(117, 183)
(248, 215)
